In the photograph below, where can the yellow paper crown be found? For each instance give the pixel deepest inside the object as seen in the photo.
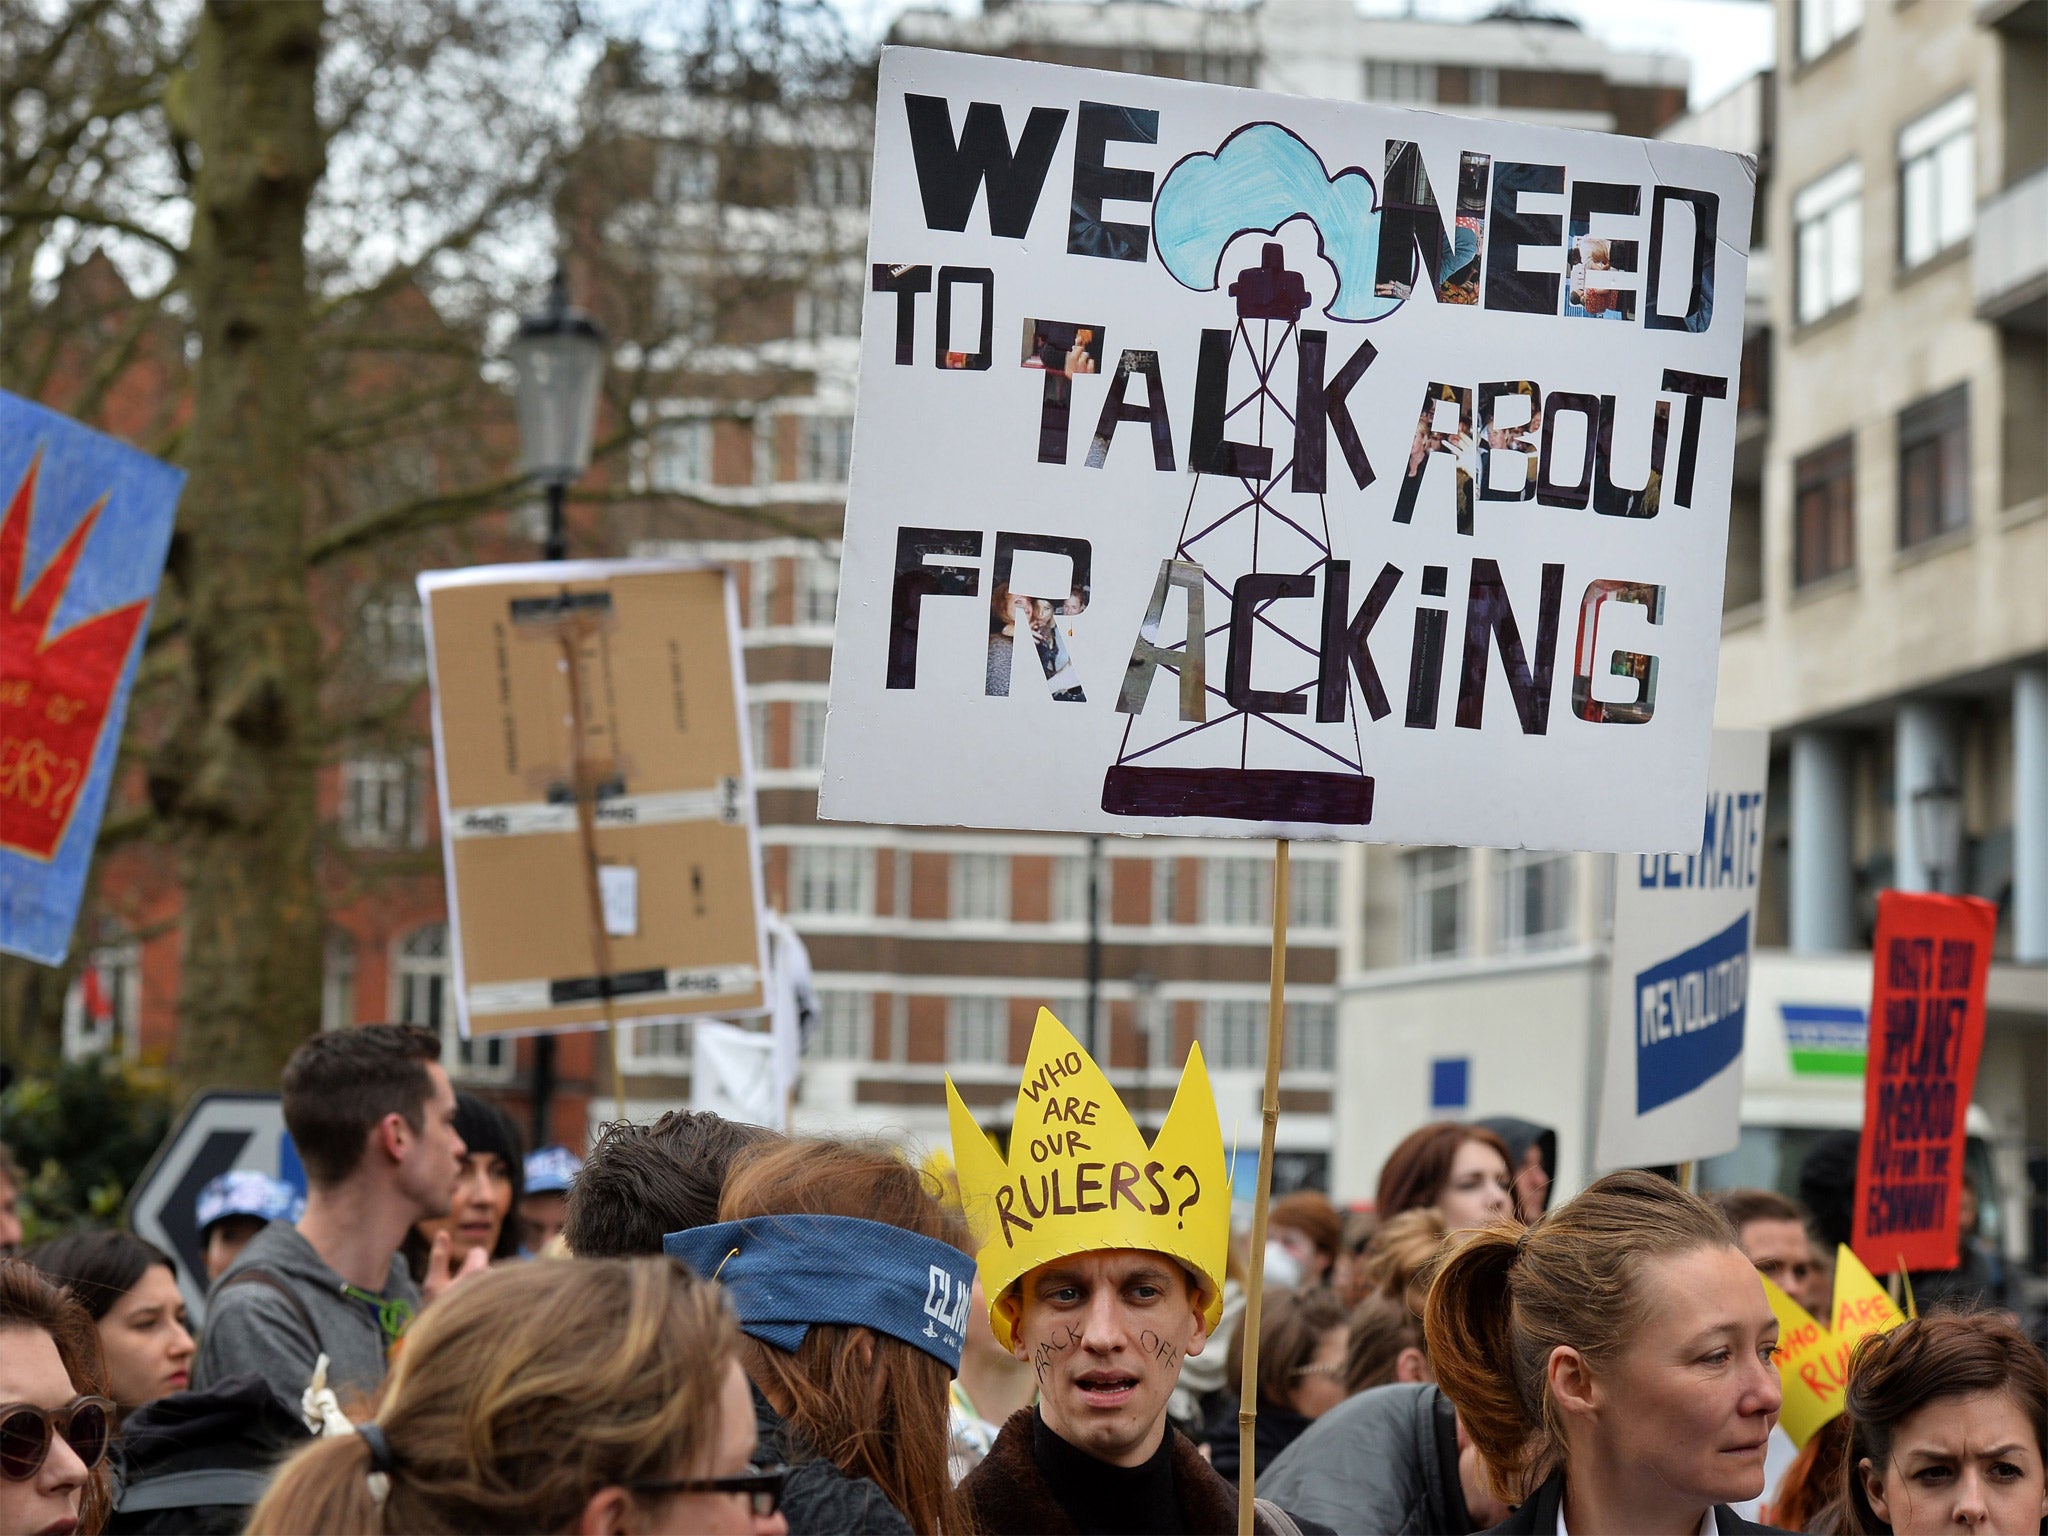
(1813, 1357)
(1080, 1178)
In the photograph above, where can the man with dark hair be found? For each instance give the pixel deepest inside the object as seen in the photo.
(1772, 1232)
(372, 1115)
(643, 1182)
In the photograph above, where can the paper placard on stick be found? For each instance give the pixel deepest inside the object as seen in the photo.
(1933, 959)
(1814, 1353)
(1302, 468)
(84, 524)
(597, 815)
(1678, 999)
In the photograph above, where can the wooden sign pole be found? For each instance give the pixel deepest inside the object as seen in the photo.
(1255, 1272)
(584, 776)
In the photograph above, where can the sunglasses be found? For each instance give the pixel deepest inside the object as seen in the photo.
(26, 1431)
(762, 1488)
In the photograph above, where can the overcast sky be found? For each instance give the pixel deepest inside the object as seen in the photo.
(1726, 40)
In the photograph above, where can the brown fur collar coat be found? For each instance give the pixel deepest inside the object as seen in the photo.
(1010, 1496)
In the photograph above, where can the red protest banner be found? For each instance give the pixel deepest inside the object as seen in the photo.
(1933, 954)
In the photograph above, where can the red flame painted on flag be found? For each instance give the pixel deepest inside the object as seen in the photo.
(56, 691)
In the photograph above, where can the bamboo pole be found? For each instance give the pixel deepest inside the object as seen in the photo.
(584, 780)
(1255, 1272)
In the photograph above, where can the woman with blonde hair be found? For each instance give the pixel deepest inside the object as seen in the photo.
(1612, 1365)
(598, 1397)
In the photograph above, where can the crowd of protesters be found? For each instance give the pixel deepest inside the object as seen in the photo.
(709, 1327)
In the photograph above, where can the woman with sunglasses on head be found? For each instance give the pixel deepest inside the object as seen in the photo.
(129, 1288)
(55, 1420)
(600, 1397)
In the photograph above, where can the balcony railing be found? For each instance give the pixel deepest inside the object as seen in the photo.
(2009, 255)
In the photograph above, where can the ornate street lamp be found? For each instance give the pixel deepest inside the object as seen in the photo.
(1938, 825)
(559, 354)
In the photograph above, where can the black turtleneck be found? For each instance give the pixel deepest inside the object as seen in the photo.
(1106, 1500)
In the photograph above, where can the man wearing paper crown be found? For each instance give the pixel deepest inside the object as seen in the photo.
(1103, 1260)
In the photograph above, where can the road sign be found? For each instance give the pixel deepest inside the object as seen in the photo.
(219, 1132)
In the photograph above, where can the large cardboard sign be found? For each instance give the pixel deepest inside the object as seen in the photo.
(590, 712)
(1678, 997)
(84, 527)
(1933, 959)
(1243, 465)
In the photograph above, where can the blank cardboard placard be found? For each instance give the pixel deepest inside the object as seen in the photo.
(1383, 459)
(615, 683)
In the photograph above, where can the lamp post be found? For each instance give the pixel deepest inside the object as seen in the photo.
(1938, 827)
(559, 356)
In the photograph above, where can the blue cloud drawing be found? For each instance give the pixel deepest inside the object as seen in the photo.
(1261, 177)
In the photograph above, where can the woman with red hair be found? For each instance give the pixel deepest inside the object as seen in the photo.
(1463, 1172)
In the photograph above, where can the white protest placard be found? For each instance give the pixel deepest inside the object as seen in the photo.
(1684, 926)
(1237, 464)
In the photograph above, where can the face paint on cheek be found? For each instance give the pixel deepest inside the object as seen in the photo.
(1159, 1349)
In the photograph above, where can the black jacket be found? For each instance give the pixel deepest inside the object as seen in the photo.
(1273, 1431)
(1382, 1463)
(1537, 1516)
(197, 1461)
(819, 1499)
(1012, 1496)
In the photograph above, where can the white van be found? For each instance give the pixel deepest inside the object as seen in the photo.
(1803, 1046)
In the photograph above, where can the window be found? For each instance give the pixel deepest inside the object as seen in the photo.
(686, 173)
(663, 1046)
(1312, 893)
(1535, 899)
(807, 734)
(760, 592)
(980, 1030)
(835, 178)
(1234, 1033)
(981, 887)
(818, 589)
(103, 1008)
(1824, 512)
(824, 449)
(1237, 893)
(830, 881)
(1311, 1043)
(380, 802)
(1166, 882)
(394, 637)
(1823, 23)
(829, 307)
(1828, 215)
(1393, 80)
(1937, 180)
(1070, 888)
(338, 982)
(680, 456)
(1934, 466)
(845, 1025)
(422, 979)
(1435, 881)
(757, 732)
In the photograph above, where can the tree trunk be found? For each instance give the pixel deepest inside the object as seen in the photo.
(237, 777)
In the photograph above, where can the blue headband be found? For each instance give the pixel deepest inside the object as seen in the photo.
(785, 1273)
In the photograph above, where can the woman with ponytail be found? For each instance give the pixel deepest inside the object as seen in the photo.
(604, 1396)
(1613, 1365)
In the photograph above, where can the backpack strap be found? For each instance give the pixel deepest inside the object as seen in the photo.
(1274, 1518)
(265, 1278)
(232, 1486)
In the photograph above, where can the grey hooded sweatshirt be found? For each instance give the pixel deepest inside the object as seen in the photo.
(253, 1330)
